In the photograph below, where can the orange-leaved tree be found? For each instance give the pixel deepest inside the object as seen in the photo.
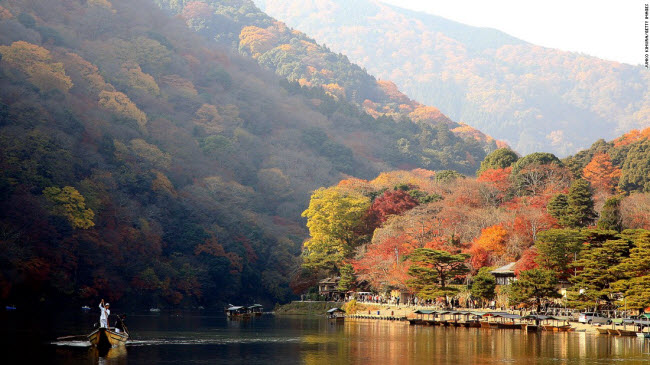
(601, 173)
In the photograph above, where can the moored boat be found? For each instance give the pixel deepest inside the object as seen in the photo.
(602, 331)
(106, 337)
(509, 325)
(237, 311)
(626, 333)
(256, 310)
(336, 315)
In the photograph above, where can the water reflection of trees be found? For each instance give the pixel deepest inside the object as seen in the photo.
(377, 342)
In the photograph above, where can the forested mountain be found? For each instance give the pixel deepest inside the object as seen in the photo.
(293, 55)
(534, 98)
(142, 163)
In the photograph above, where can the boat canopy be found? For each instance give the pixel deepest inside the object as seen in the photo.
(541, 317)
(236, 308)
(508, 316)
(494, 314)
(334, 310)
(425, 311)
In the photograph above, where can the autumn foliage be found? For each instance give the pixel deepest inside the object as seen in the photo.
(601, 173)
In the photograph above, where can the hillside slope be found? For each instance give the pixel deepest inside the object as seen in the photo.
(292, 54)
(141, 163)
(534, 98)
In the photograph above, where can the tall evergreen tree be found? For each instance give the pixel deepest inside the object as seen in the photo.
(558, 208)
(636, 168)
(599, 270)
(484, 284)
(347, 278)
(432, 270)
(636, 269)
(581, 204)
(610, 216)
(533, 287)
(557, 249)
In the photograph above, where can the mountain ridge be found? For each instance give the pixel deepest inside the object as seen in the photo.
(534, 98)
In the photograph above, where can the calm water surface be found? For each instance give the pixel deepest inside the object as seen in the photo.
(195, 338)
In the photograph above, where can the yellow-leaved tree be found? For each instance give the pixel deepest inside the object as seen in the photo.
(255, 40)
(335, 218)
(36, 62)
(69, 203)
(120, 105)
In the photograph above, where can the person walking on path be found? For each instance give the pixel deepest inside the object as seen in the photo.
(105, 312)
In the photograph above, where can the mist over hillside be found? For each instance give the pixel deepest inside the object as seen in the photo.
(534, 98)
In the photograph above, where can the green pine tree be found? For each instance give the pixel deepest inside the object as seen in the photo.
(347, 278)
(558, 208)
(581, 204)
(610, 216)
(432, 271)
(484, 284)
(557, 249)
(599, 269)
(533, 287)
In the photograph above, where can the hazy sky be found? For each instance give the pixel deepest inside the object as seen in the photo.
(612, 30)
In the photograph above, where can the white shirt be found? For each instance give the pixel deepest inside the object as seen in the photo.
(105, 312)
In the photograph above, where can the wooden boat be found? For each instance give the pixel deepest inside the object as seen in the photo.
(336, 315)
(106, 337)
(256, 310)
(508, 325)
(529, 327)
(602, 331)
(553, 328)
(612, 332)
(626, 333)
(415, 321)
(237, 312)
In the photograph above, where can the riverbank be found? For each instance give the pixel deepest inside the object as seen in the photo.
(386, 311)
(308, 308)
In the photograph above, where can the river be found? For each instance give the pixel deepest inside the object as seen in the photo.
(197, 338)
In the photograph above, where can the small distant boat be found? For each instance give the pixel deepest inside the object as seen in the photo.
(256, 310)
(105, 337)
(155, 310)
(336, 315)
(10, 307)
(85, 308)
(237, 311)
(201, 307)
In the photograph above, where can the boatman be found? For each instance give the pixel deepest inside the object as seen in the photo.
(105, 310)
